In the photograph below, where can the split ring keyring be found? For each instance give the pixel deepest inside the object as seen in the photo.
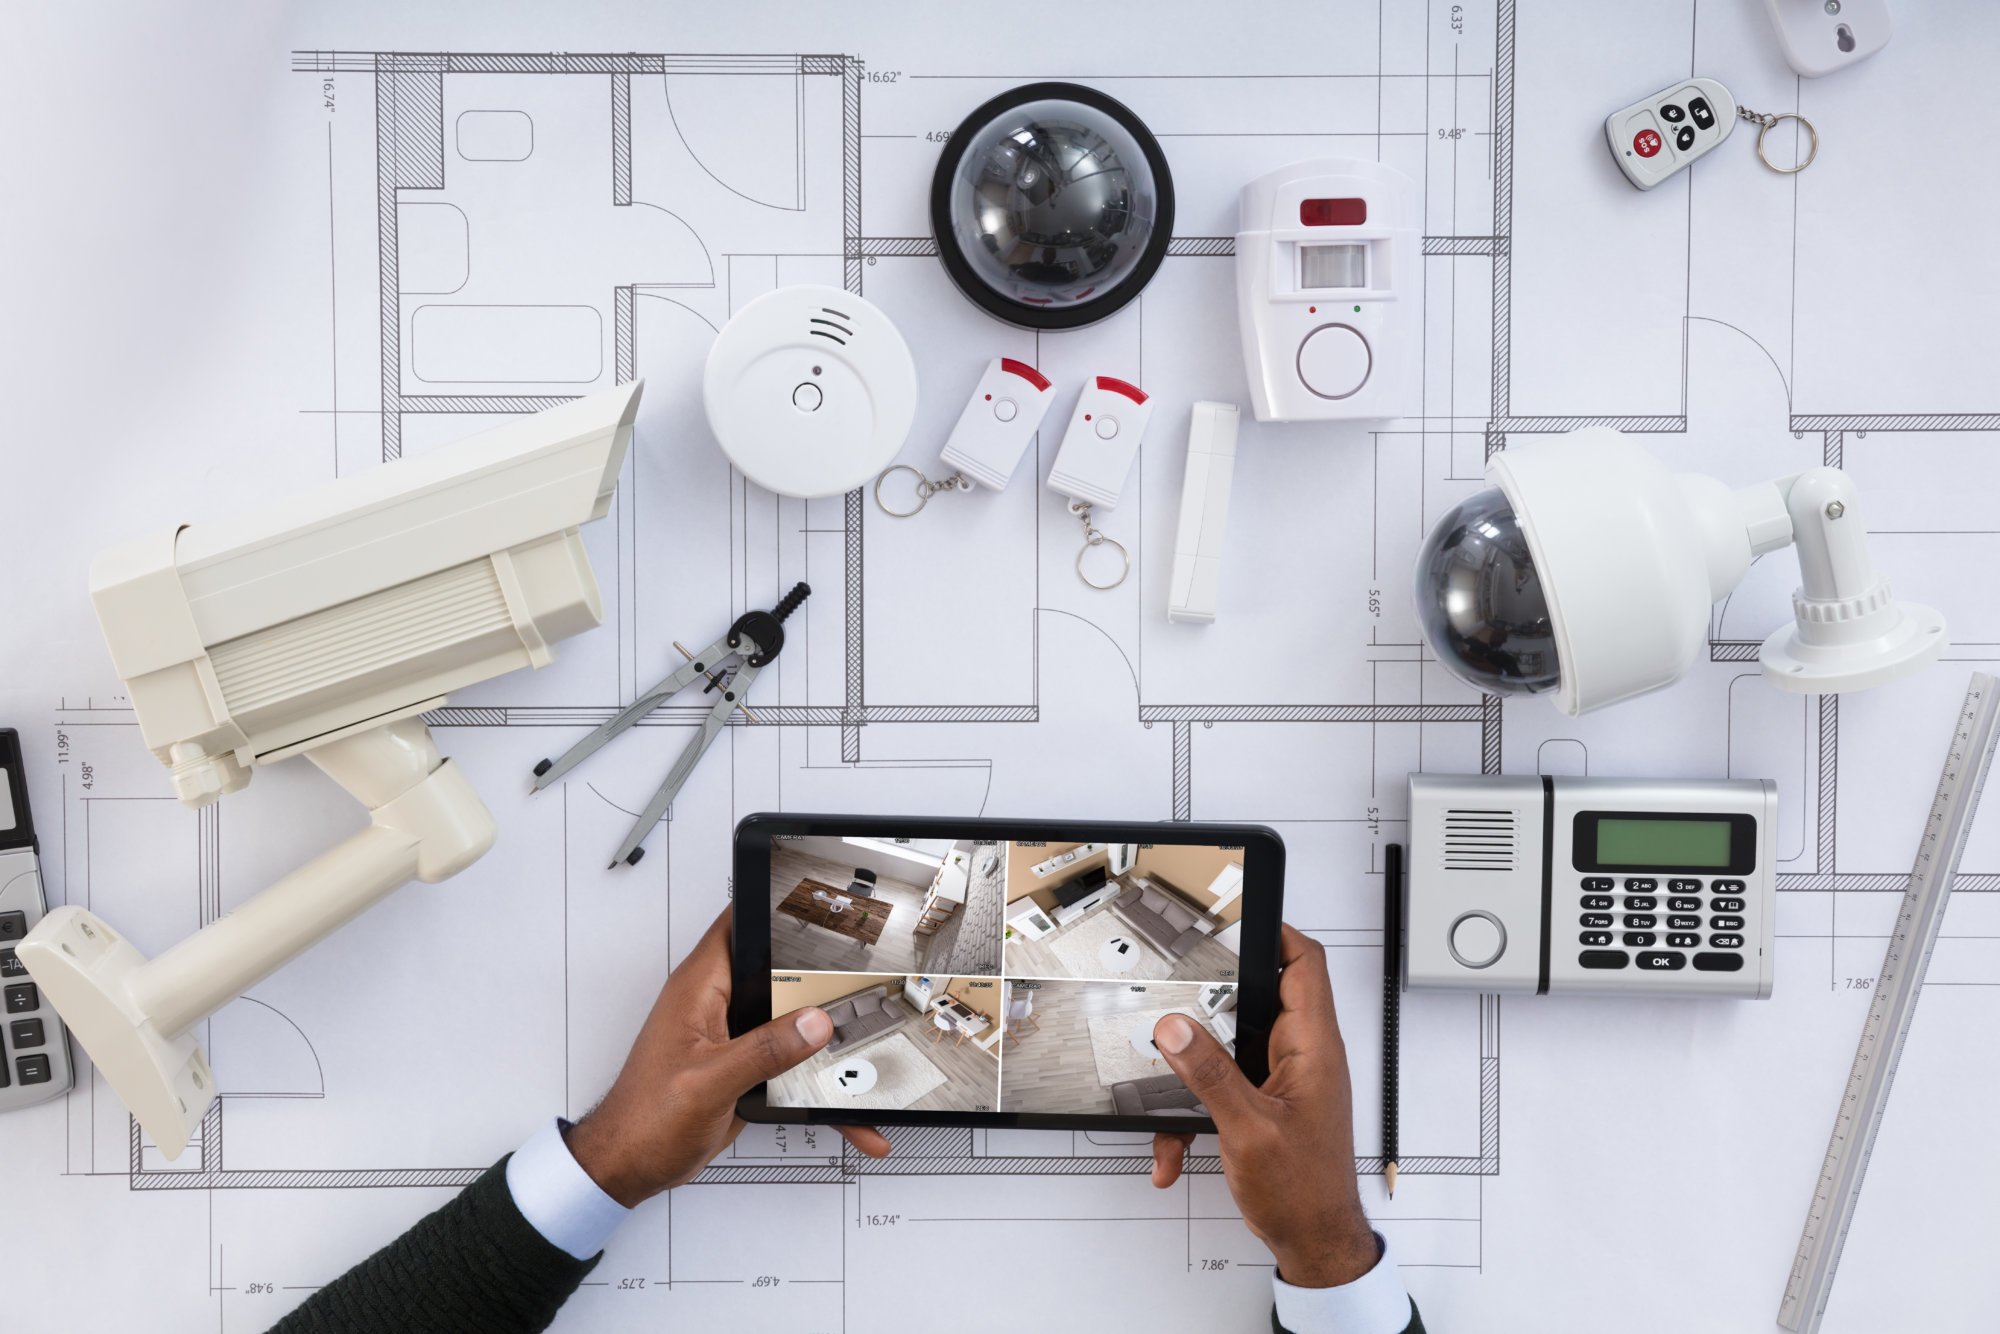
(1767, 122)
(1095, 539)
(923, 494)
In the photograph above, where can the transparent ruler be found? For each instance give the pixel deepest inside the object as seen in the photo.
(1890, 1008)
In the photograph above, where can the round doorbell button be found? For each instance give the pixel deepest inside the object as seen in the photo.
(810, 391)
(1107, 428)
(1335, 360)
(1476, 939)
(1005, 409)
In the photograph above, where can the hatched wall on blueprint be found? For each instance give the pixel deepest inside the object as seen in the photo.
(509, 229)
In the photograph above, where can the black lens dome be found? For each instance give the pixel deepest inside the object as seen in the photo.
(1480, 601)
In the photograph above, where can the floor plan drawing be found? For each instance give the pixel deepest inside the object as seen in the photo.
(479, 231)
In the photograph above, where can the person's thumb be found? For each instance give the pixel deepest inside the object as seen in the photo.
(1209, 1071)
(768, 1050)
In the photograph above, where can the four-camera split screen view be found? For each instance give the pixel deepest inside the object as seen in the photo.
(1011, 977)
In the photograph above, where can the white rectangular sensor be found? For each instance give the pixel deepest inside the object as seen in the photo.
(1211, 459)
(1333, 266)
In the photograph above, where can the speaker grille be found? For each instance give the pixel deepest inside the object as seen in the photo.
(1477, 840)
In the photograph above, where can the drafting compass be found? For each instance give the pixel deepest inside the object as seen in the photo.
(756, 639)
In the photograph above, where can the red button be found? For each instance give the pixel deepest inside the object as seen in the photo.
(1645, 143)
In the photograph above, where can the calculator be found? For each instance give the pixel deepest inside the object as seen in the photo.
(34, 1046)
(1616, 886)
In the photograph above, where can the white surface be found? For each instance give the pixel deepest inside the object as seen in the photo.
(185, 367)
(1313, 352)
(810, 390)
(1211, 460)
(853, 1077)
(1817, 43)
(998, 421)
(1100, 442)
(1118, 960)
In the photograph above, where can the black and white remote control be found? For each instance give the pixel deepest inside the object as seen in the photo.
(1657, 136)
(34, 1046)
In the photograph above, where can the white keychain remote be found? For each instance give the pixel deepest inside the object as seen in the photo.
(1005, 411)
(1657, 136)
(1095, 458)
(1101, 442)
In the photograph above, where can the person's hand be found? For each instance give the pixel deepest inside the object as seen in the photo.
(1287, 1147)
(673, 1106)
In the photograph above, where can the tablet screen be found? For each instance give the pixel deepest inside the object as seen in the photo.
(990, 976)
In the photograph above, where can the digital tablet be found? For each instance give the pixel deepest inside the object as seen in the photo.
(1002, 972)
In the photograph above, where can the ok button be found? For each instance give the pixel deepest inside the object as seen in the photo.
(1334, 361)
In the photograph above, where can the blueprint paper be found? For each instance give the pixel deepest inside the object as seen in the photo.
(250, 250)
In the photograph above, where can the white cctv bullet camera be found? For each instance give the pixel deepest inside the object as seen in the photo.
(1588, 571)
(325, 624)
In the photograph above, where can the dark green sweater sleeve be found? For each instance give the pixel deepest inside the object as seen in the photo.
(1416, 1325)
(474, 1266)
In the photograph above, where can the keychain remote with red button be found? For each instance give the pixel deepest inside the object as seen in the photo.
(1654, 138)
(1005, 411)
(1096, 455)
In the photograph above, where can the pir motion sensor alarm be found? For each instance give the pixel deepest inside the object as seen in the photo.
(1326, 290)
(810, 391)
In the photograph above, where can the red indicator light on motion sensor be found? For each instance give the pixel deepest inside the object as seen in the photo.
(1332, 212)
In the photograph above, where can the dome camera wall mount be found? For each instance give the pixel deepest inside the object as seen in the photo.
(1632, 558)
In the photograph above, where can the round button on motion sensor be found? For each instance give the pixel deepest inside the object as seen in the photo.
(1005, 409)
(1476, 939)
(807, 397)
(1334, 361)
(1107, 427)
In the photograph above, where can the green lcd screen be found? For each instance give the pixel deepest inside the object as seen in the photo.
(1690, 843)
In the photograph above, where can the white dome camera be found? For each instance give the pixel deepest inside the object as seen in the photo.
(1588, 570)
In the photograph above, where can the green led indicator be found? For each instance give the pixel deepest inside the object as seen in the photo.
(1357, 310)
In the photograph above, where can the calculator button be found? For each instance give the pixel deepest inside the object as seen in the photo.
(26, 1032)
(32, 1069)
(1728, 886)
(1641, 921)
(11, 965)
(1594, 937)
(1642, 903)
(1701, 113)
(22, 997)
(1684, 905)
(1725, 942)
(1604, 958)
(1684, 922)
(1683, 886)
(1726, 923)
(1639, 940)
(1641, 885)
(1672, 114)
(1595, 919)
(1596, 884)
(13, 925)
(1688, 941)
(1646, 143)
(1718, 963)
(4, 1080)
(1664, 961)
(1727, 905)
(1598, 902)
(1684, 138)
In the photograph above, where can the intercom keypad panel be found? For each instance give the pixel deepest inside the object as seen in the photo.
(1622, 886)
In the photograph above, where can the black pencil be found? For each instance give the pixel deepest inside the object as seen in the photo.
(1392, 996)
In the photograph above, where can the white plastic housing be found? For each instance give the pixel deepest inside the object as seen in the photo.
(1657, 136)
(1817, 42)
(1319, 352)
(1631, 557)
(1101, 442)
(321, 624)
(1001, 417)
(363, 600)
(810, 391)
(1211, 461)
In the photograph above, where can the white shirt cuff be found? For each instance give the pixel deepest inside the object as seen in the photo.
(1375, 1303)
(558, 1198)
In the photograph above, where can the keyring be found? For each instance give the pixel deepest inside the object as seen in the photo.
(1097, 539)
(924, 490)
(1767, 122)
